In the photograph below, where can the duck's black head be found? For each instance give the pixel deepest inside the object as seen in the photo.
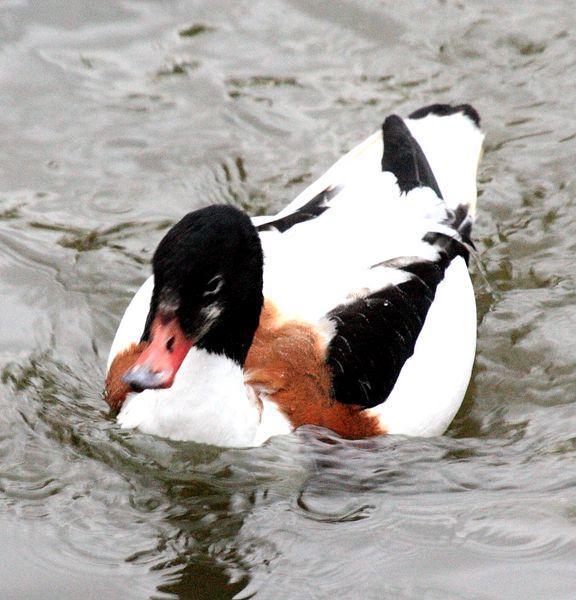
(207, 293)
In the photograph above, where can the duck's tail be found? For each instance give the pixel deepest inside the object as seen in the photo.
(451, 140)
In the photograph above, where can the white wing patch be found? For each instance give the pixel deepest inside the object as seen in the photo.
(318, 264)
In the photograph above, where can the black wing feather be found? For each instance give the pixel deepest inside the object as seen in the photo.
(376, 335)
(312, 209)
(444, 110)
(404, 157)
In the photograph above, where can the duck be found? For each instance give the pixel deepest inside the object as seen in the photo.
(352, 309)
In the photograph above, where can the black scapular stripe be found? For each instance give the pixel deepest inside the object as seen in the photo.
(375, 336)
(312, 209)
(404, 157)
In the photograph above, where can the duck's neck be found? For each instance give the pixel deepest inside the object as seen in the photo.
(232, 334)
(207, 403)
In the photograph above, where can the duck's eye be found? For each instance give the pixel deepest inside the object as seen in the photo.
(214, 285)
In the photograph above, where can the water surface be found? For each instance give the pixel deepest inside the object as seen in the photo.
(119, 117)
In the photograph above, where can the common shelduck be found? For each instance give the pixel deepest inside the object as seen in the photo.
(351, 309)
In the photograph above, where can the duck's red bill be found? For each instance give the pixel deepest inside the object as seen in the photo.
(159, 362)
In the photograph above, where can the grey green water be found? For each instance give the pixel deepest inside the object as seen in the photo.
(116, 118)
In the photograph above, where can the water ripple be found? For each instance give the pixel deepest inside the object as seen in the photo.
(119, 118)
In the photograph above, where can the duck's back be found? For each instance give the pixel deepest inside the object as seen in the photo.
(374, 255)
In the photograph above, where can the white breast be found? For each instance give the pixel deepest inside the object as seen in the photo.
(206, 403)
